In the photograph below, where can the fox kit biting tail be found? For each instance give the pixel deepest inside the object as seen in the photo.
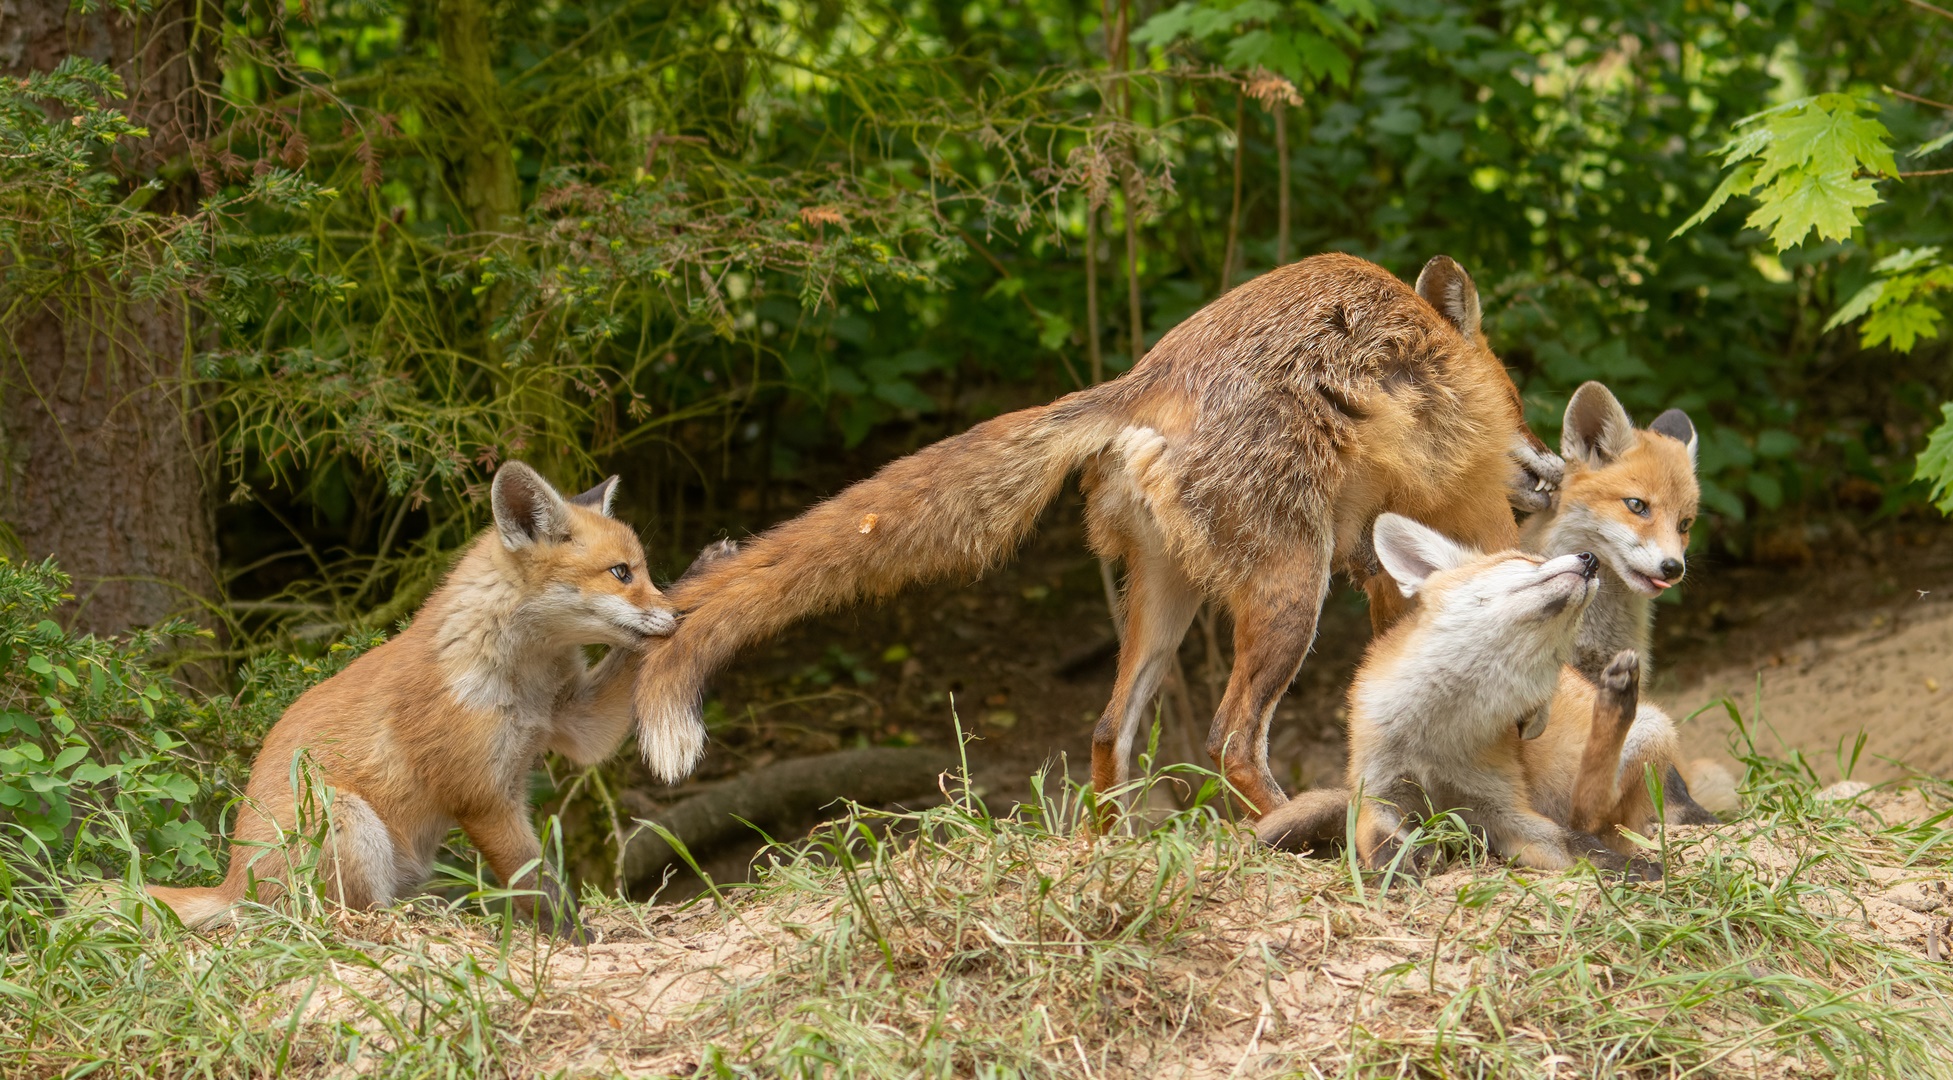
(1439, 705)
(442, 724)
(1284, 417)
(1630, 497)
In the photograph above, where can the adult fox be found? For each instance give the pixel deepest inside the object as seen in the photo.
(442, 724)
(1298, 407)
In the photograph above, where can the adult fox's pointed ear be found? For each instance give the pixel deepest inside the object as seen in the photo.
(1596, 430)
(1411, 552)
(527, 510)
(597, 498)
(1676, 425)
(1444, 285)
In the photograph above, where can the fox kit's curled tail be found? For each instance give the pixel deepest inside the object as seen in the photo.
(199, 909)
(951, 508)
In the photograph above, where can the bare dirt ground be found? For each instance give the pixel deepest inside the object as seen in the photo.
(1864, 645)
(1277, 965)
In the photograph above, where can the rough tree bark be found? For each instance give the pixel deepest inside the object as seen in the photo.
(99, 460)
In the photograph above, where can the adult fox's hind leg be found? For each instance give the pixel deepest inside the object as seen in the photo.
(1275, 617)
(1159, 604)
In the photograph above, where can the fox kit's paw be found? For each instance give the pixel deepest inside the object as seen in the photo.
(1640, 869)
(1623, 673)
(715, 552)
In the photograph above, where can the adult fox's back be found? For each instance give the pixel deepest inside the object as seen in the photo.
(1292, 411)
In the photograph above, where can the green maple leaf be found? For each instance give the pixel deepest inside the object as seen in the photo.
(1936, 461)
(1860, 303)
(1740, 181)
(1797, 202)
(1827, 136)
(1902, 325)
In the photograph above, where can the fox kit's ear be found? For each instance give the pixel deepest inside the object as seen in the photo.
(1413, 552)
(1444, 285)
(1675, 424)
(527, 509)
(597, 498)
(1597, 429)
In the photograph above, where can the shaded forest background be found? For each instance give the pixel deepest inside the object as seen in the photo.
(282, 283)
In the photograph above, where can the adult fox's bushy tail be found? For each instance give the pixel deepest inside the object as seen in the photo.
(954, 507)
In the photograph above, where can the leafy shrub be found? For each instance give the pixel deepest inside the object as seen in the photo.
(99, 749)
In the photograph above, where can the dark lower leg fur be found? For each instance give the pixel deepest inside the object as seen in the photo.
(1680, 806)
(1311, 821)
(1274, 626)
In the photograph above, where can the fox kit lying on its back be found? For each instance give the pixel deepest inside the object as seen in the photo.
(1437, 707)
(1295, 409)
(1629, 497)
(441, 725)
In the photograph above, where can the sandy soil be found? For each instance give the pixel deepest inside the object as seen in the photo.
(1892, 681)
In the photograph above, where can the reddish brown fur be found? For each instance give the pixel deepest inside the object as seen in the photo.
(1292, 410)
(442, 724)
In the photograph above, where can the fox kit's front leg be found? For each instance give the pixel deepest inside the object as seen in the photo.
(594, 713)
(507, 838)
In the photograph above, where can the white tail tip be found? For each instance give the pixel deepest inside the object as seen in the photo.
(673, 741)
(198, 909)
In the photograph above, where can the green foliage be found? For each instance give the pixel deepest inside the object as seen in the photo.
(1936, 461)
(1810, 164)
(733, 250)
(1894, 306)
(91, 753)
(102, 755)
(1304, 42)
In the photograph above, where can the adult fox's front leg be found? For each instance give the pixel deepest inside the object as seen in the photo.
(1275, 617)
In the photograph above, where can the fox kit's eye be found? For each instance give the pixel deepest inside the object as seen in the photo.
(621, 572)
(1637, 506)
(1685, 525)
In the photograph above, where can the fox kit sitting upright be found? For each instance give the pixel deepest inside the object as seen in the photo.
(1629, 496)
(442, 725)
(1444, 715)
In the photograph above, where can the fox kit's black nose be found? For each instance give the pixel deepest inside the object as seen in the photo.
(1671, 569)
(1588, 564)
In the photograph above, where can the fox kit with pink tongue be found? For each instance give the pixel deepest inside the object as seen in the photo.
(1629, 497)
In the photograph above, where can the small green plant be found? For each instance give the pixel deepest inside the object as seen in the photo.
(90, 743)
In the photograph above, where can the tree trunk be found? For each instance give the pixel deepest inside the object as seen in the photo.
(485, 180)
(99, 462)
